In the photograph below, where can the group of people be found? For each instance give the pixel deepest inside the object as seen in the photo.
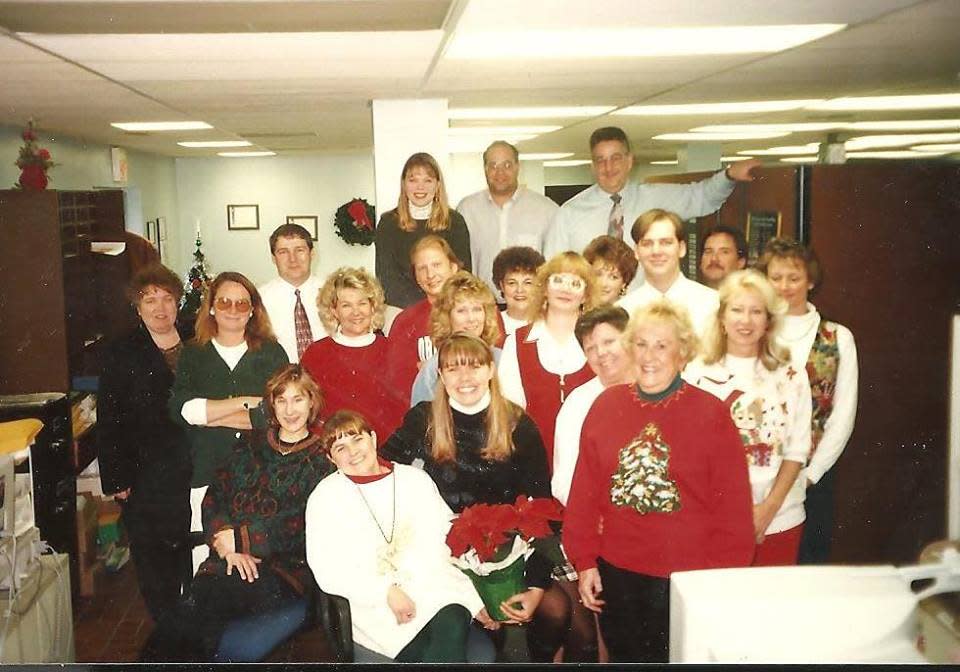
(304, 437)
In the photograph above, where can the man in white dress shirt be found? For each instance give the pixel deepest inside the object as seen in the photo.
(291, 299)
(505, 214)
(660, 245)
(615, 199)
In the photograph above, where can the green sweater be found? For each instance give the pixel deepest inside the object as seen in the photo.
(202, 373)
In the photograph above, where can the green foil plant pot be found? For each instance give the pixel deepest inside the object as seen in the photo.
(500, 584)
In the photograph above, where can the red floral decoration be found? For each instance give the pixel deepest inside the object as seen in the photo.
(486, 527)
(33, 162)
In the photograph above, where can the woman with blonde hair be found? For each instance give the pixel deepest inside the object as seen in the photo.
(828, 352)
(769, 398)
(346, 364)
(543, 362)
(660, 486)
(465, 305)
(421, 210)
(479, 447)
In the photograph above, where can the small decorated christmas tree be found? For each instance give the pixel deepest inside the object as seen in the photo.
(642, 481)
(33, 162)
(197, 281)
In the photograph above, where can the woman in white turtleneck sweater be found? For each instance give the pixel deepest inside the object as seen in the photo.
(422, 209)
(346, 363)
(829, 354)
(743, 365)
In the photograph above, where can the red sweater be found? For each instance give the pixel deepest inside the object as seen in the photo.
(410, 344)
(348, 378)
(660, 486)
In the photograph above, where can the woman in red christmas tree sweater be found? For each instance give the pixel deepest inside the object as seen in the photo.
(660, 486)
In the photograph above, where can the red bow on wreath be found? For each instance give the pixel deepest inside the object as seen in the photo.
(358, 212)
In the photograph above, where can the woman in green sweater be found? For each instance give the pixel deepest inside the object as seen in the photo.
(220, 377)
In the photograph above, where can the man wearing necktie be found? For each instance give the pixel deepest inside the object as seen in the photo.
(291, 298)
(613, 204)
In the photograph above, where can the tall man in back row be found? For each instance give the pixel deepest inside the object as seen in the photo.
(612, 205)
(504, 214)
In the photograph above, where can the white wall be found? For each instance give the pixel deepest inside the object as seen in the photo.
(83, 165)
(281, 186)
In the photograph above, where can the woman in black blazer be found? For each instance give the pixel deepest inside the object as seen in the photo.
(144, 456)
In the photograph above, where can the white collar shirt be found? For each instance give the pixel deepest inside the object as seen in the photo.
(279, 299)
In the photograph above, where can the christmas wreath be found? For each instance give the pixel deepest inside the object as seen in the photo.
(354, 222)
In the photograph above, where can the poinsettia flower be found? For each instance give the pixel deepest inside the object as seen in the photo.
(44, 154)
(535, 514)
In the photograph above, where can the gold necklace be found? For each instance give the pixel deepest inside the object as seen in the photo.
(393, 522)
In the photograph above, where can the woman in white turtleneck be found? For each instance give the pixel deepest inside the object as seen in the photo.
(744, 365)
(346, 363)
(829, 354)
(422, 209)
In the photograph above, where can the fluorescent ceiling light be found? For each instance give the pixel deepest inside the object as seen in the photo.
(545, 156)
(566, 163)
(143, 126)
(246, 154)
(893, 154)
(730, 159)
(674, 162)
(949, 147)
(900, 140)
(799, 159)
(713, 108)
(215, 143)
(719, 137)
(923, 102)
(912, 125)
(494, 131)
(784, 150)
(527, 112)
(469, 144)
(803, 127)
(571, 44)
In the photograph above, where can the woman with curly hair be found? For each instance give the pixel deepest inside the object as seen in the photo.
(744, 365)
(421, 210)
(543, 362)
(346, 364)
(615, 265)
(465, 305)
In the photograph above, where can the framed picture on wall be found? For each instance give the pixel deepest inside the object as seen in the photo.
(161, 229)
(309, 222)
(761, 227)
(151, 227)
(243, 217)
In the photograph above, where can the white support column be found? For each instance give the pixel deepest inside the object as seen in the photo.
(402, 128)
(699, 156)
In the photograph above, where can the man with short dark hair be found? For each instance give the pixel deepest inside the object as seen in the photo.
(660, 245)
(504, 214)
(724, 251)
(615, 199)
(291, 298)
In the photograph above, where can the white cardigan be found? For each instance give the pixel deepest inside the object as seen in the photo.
(769, 408)
(798, 334)
(349, 556)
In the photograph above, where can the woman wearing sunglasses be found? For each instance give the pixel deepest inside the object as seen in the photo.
(220, 377)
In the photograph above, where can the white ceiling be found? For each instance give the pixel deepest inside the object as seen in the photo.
(297, 76)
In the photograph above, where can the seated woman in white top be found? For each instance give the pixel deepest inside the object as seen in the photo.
(829, 354)
(376, 535)
(465, 305)
(743, 365)
(514, 273)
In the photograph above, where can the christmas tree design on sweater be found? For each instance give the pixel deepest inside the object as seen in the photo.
(641, 481)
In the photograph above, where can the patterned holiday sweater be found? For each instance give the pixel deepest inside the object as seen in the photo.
(660, 486)
(262, 495)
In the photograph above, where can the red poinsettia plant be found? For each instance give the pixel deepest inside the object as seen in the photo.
(485, 528)
(33, 161)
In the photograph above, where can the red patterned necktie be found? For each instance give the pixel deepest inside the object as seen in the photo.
(615, 226)
(302, 326)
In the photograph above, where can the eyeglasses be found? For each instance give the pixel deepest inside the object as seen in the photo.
(500, 165)
(613, 159)
(567, 281)
(237, 305)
